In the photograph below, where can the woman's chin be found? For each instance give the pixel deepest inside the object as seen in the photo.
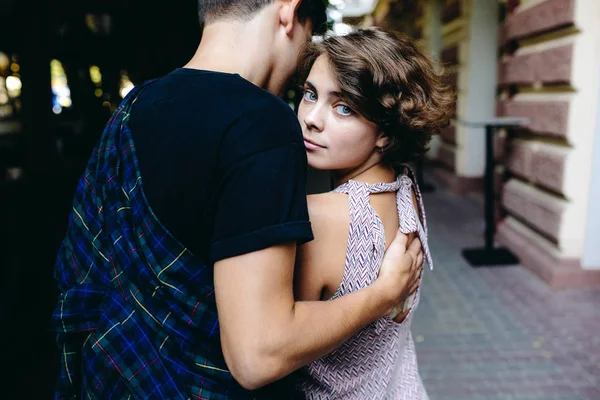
(317, 166)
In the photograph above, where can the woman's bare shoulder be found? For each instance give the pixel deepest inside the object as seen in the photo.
(330, 219)
(329, 214)
(330, 206)
(321, 261)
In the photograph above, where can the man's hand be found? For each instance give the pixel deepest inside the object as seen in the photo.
(400, 272)
(265, 334)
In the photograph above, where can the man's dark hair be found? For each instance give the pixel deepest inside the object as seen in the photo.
(212, 10)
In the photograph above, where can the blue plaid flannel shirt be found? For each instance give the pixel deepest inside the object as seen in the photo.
(136, 317)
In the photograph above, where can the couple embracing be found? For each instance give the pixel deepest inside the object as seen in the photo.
(196, 267)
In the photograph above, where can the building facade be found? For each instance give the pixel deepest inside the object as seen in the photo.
(532, 59)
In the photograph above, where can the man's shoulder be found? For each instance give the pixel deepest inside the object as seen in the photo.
(264, 108)
(224, 113)
(227, 99)
(217, 89)
(262, 122)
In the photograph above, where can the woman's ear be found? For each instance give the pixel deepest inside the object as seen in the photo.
(382, 141)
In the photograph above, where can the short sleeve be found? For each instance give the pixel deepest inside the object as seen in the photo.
(261, 202)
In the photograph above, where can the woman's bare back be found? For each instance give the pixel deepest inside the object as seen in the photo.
(320, 263)
(352, 228)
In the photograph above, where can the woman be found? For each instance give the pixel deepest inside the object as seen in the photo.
(371, 102)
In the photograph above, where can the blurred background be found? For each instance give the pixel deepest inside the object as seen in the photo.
(525, 331)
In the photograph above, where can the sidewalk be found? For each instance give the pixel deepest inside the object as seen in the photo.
(499, 333)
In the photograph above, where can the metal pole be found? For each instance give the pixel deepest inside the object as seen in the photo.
(424, 186)
(419, 171)
(490, 255)
(490, 223)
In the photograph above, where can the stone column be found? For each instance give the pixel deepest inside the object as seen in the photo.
(470, 30)
(591, 250)
(478, 101)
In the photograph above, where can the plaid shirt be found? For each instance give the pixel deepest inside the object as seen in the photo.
(136, 317)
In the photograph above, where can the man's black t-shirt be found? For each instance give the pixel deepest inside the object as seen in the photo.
(223, 166)
(223, 163)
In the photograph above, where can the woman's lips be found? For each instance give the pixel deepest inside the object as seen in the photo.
(310, 145)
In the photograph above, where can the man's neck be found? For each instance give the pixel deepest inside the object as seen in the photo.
(232, 47)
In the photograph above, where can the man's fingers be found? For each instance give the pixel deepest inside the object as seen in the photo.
(420, 260)
(400, 317)
(415, 248)
(414, 288)
(400, 240)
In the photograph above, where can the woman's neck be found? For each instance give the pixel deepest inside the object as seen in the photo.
(369, 174)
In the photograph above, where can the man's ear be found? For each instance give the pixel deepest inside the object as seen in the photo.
(287, 15)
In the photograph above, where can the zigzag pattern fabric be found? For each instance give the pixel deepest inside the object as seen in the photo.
(380, 361)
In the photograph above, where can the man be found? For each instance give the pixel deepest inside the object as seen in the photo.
(176, 270)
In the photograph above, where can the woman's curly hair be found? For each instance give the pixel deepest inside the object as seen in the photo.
(389, 80)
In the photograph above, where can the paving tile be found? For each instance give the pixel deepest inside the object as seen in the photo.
(499, 333)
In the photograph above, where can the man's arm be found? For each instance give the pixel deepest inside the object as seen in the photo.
(266, 335)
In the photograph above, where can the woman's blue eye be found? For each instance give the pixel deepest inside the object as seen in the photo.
(310, 96)
(344, 110)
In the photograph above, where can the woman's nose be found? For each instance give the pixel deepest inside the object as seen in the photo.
(314, 119)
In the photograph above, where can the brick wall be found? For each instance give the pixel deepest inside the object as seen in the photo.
(541, 78)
